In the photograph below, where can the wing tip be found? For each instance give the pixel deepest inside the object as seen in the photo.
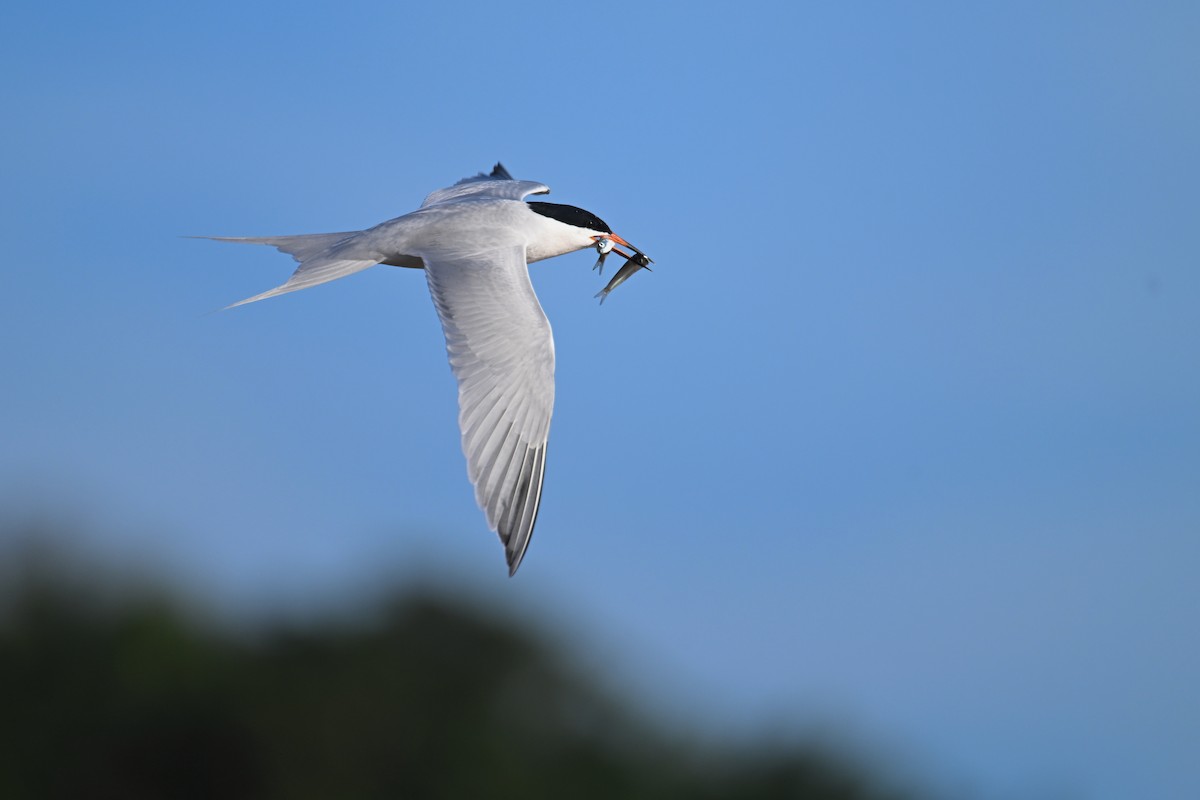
(516, 541)
(514, 556)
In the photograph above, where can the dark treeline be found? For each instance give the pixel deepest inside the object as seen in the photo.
(126, 695)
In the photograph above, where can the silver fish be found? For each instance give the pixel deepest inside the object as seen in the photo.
(603, 247)
(636, 261)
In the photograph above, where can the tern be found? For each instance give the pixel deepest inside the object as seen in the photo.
(475, 240)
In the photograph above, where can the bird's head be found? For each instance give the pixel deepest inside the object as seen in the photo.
(588, 230)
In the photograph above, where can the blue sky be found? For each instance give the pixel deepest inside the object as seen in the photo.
(901, 435)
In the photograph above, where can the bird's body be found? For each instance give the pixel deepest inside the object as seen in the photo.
(474, 240)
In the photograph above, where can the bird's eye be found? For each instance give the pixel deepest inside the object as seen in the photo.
(603, 246)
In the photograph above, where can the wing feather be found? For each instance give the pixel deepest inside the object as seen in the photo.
(502, 353)
(498, 184)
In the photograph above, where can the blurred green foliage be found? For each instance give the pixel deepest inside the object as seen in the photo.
(124, 694)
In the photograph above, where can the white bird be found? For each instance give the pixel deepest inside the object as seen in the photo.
(475, 240)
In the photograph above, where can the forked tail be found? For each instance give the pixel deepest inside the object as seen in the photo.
(323, 257)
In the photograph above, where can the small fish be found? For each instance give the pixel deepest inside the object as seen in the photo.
(636, 261)
(603, 247)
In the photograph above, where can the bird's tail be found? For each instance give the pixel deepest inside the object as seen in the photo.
(323, 257)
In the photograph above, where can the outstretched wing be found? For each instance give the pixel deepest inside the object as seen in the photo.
(502, 353)
(499, 184)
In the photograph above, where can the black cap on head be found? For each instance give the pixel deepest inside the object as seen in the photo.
(572, 216)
